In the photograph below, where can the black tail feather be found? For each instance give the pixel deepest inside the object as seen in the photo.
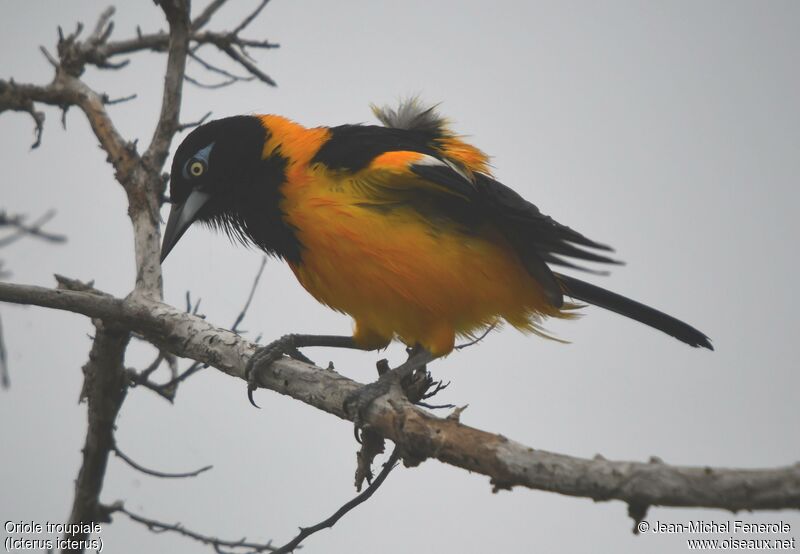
(603, 298)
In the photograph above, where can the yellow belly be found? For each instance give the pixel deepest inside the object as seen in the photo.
(399, 275)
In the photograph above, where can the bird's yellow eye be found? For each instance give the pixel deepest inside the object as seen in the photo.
(197, 168)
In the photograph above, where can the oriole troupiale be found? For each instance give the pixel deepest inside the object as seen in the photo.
(401, 226)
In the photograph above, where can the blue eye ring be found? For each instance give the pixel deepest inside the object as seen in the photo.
(197, 164)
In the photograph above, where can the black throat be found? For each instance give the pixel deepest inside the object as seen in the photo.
(248, 206)
(260, 215)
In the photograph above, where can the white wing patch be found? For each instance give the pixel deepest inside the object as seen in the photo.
(432, 161)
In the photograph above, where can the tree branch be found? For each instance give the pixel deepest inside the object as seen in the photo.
(66, 90)
(421, 435)
(13, 98)
(154, 473)
(306, 532)
(106, 379)
(160, 527)
(104, 387)
(98, 50)
(177, 12)
(206, 15)
(22, 229)
(140, 176)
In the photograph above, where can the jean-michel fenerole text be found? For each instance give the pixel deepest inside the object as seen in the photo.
(735, 526)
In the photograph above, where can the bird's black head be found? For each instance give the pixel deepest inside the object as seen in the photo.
(217, 172)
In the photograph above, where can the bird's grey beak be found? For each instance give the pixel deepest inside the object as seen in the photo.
(181, 216)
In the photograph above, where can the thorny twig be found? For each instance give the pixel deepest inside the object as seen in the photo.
(305, 532)
(160, 527)
(74, 54)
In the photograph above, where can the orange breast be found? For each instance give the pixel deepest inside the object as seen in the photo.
(400, 276)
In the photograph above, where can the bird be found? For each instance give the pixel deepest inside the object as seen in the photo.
(399, 225)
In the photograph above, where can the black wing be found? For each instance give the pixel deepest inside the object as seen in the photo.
(539, 240)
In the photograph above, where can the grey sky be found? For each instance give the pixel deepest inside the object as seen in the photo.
(670, 130)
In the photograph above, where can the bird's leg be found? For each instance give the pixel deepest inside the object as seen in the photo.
(288, 345)
(359, 402)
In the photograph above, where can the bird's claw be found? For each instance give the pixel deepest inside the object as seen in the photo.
(357, 403)
(265, 356)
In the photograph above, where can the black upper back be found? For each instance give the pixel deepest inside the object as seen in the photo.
(353, 147)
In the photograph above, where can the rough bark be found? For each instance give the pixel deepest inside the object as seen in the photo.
(421, 435)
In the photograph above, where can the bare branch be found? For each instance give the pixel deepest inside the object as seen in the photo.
(111, 101)
(160, 527)
(177, 12)
(104, 26)
(201, 20)
(13, 98)
(66, 90)
(422, 435)
(154, 365)
(159, 42)
(230, 78)
(140, 176)
(247, 64)
(210, 86)
(249, 19)
(21, 229)
(253, 287)
(96, 50)
(155, 473)
(218, 70)
(305, 532)
(49, 57)
(106, 380)
(104, 387)
(166, 390)
(190, 125)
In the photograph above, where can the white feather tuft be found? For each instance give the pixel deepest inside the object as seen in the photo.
(412, 115)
